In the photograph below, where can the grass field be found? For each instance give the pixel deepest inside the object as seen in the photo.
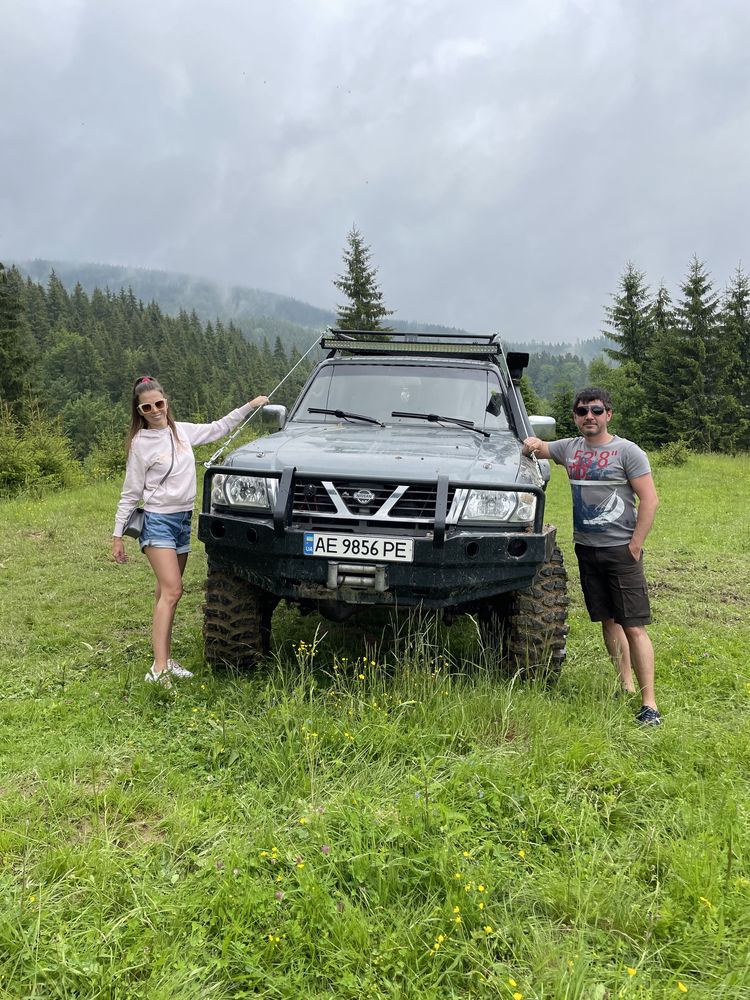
(370, 818)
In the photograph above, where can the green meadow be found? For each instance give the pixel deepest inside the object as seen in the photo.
(377, 812)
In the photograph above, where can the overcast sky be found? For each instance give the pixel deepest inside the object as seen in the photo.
(503, 158)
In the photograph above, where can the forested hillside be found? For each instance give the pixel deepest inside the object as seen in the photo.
(68, 360)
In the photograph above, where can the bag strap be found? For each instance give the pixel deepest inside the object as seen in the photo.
(171, 466)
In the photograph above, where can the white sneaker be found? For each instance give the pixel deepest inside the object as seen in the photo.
(177, 670)
(161, 677)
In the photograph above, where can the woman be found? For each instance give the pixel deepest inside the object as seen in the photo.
(161, 470)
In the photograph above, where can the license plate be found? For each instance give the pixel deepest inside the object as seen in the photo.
(358, 547)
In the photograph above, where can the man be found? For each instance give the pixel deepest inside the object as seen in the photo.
(606, 474)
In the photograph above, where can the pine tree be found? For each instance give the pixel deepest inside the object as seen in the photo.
(628, 319)
(686, 381)
(735, 319)
(14, 362)
(561, 408)
(365, 309)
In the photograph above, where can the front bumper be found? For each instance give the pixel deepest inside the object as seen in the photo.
(468, 567)
(453, 565)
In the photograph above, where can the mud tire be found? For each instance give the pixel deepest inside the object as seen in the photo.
(236, 621)
(529, 628)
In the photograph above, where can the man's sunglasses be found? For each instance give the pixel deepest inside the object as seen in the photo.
(159, 404)
(597, 409)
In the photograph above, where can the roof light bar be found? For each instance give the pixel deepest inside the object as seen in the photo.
(398, 347)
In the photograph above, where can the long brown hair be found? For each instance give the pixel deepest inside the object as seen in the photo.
(137, 421)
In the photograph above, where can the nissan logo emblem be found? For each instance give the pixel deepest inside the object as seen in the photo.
(364, 497)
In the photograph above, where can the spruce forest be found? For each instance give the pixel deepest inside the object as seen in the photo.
(67, 365)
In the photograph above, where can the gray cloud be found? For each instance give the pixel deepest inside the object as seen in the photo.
(503, 160)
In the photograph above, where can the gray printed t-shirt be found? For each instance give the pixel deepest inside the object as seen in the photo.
(604, 509)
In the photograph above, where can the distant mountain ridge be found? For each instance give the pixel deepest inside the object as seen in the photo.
(259, 314)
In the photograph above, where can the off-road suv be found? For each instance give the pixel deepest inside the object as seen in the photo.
(398, 481)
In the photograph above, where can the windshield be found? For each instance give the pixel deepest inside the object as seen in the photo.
(377, 390)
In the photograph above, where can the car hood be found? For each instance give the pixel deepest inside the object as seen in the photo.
(399, 452)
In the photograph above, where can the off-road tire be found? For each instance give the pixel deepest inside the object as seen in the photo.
(236, 620)
(529, 627)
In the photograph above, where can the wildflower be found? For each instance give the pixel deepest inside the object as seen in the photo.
(278, 895)
(681, 987)
(481, 906)
(480, 888)
(457, 875)
(511, 981)
(706, 902)
(303, 820)
(361, 676)
(487, 929)
(457, 919)
(300, 864)
(517, 996)
(264, 854)
(456, 909)
(522, 854)
(466, 854)
(325, 849)
(631, 971)
(32, 899)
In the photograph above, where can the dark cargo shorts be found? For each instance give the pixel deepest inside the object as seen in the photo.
(613, 584)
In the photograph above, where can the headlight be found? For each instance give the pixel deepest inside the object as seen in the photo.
(499, 505)
(252, 492)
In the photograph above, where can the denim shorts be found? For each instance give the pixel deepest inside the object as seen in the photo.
(166, 531)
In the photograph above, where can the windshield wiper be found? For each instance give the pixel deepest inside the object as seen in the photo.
(434, 418)
(345, 415)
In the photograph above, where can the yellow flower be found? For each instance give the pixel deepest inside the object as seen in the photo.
(681, 987)
(480, 888)
(631, 971)
(300, 864)
(706, 902)
(361, 676)
(303, 820)
(517, 996)
(481, 906)
(457, 919)
(512, 982)
(466, 854)
(522, 853)
(456, 909)
(264, 854)
(487, 929)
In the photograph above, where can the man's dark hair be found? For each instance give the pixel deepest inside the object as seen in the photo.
(589, 395)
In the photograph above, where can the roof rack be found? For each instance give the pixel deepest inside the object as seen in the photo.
(399, 342)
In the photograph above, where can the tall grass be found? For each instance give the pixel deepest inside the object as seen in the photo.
(375, 814)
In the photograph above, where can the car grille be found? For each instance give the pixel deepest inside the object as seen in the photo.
(378, 503)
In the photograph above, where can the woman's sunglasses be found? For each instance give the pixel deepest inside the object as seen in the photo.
(159, 404)
(581, 411)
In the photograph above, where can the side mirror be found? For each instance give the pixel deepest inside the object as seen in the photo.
(275, 414)
(543, 427)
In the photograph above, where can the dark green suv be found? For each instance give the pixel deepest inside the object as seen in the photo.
(398, 481)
